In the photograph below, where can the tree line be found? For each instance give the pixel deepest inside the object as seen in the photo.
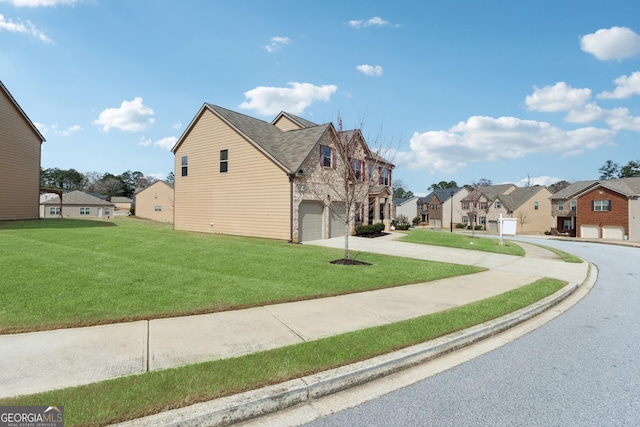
(107, 184)
(612, 170)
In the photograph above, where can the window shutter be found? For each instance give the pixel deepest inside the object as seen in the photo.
(610, 205)
(593, 205)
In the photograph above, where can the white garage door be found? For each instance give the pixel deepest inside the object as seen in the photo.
(493, 226)
(435, 223)
(310, 222)
(336, 219)
(613, 232)
(590, 231)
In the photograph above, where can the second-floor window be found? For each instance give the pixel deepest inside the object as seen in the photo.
(602, 205)
(535, 206)
(560, 206)
(498, 204)
(356, 165)
(574, 206)
(484, 205)
(224, 161)
(185, 165)
(326, 156)
(465, 206)
(384, 176)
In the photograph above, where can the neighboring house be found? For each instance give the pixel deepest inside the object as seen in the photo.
(598, 209)
(406, 206)
(76, 204)
(441, 207)
(478, 203)
(529, 205)
(155, 202)
(235, 174)
(122, 204)
(20, 144)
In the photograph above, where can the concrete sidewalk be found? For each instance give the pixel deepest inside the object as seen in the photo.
(41, 361)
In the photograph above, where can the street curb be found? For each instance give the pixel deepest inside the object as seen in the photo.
(256, 403)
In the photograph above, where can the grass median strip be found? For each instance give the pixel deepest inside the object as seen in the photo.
(137, 396)
(65, 273)
(462, 241)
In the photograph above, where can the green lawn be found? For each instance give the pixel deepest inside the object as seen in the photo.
(63, 272)
(462, 241)
(135, 396)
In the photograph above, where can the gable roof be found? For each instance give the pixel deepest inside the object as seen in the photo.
(490, 192)
(443, 194)
(120, 199)
(402, 200)
(303, 123)
(519, 197)
(77, 198)
(287, 149)
(21, 111)
(158, 182)
(629, 187)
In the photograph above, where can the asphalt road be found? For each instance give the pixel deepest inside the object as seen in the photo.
(580, 369)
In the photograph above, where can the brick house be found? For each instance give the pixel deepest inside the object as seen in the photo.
(440, 208)
(601, 209)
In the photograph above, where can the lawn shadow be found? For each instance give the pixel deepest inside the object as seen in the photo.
(55, 223)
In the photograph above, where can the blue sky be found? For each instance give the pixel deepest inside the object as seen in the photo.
(502, 90)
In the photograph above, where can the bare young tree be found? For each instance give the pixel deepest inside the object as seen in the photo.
(352, 175)
(523, 217)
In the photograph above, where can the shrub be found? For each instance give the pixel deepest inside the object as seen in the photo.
(459, 225)
(416, 220)
(366, 230)
(401, 220)
(479, 227)
(403, 226)
(379, 227)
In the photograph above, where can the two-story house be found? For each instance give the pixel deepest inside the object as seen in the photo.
(598, 209)
(290, 179)
(440, 208)
(20, 143)
(529, 205)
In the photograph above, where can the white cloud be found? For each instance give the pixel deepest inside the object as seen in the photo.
(620, 119)
(271, 100)
(626, 86)
(38, 3)
(537, 180)
(277, 43)
(490, 139)
(613, 43)
(166, 143)
(559, 97)
(586, 113)
(71, 129)
(23, 27)
(370, 70)
(177, 125)
(375, 21)
(132, 116)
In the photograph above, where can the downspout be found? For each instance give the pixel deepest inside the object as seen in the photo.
(291, 176)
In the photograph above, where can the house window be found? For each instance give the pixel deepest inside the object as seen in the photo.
(85, 211)
(437, 207)
(498, 204)
(384, 176)
(484, 205)
(483, 220)
(356, 165)
(602, 205)
(560, 206)
(574, 206)
(326, 156)
(224, 161)
(535, 206)
(566, 224)
(185, 165)
(431, 206)
(106, 211)
(370, 171)
(465, 206)
(158, 208)
(465, 220)
(54, 211)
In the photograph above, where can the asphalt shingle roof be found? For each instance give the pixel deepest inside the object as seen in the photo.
(77, 198)
(288, 148)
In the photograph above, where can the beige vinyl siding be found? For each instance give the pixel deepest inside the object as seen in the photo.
(536, 221)
(19, 164)
(251, 199)
(285, 124)
(158, 194)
